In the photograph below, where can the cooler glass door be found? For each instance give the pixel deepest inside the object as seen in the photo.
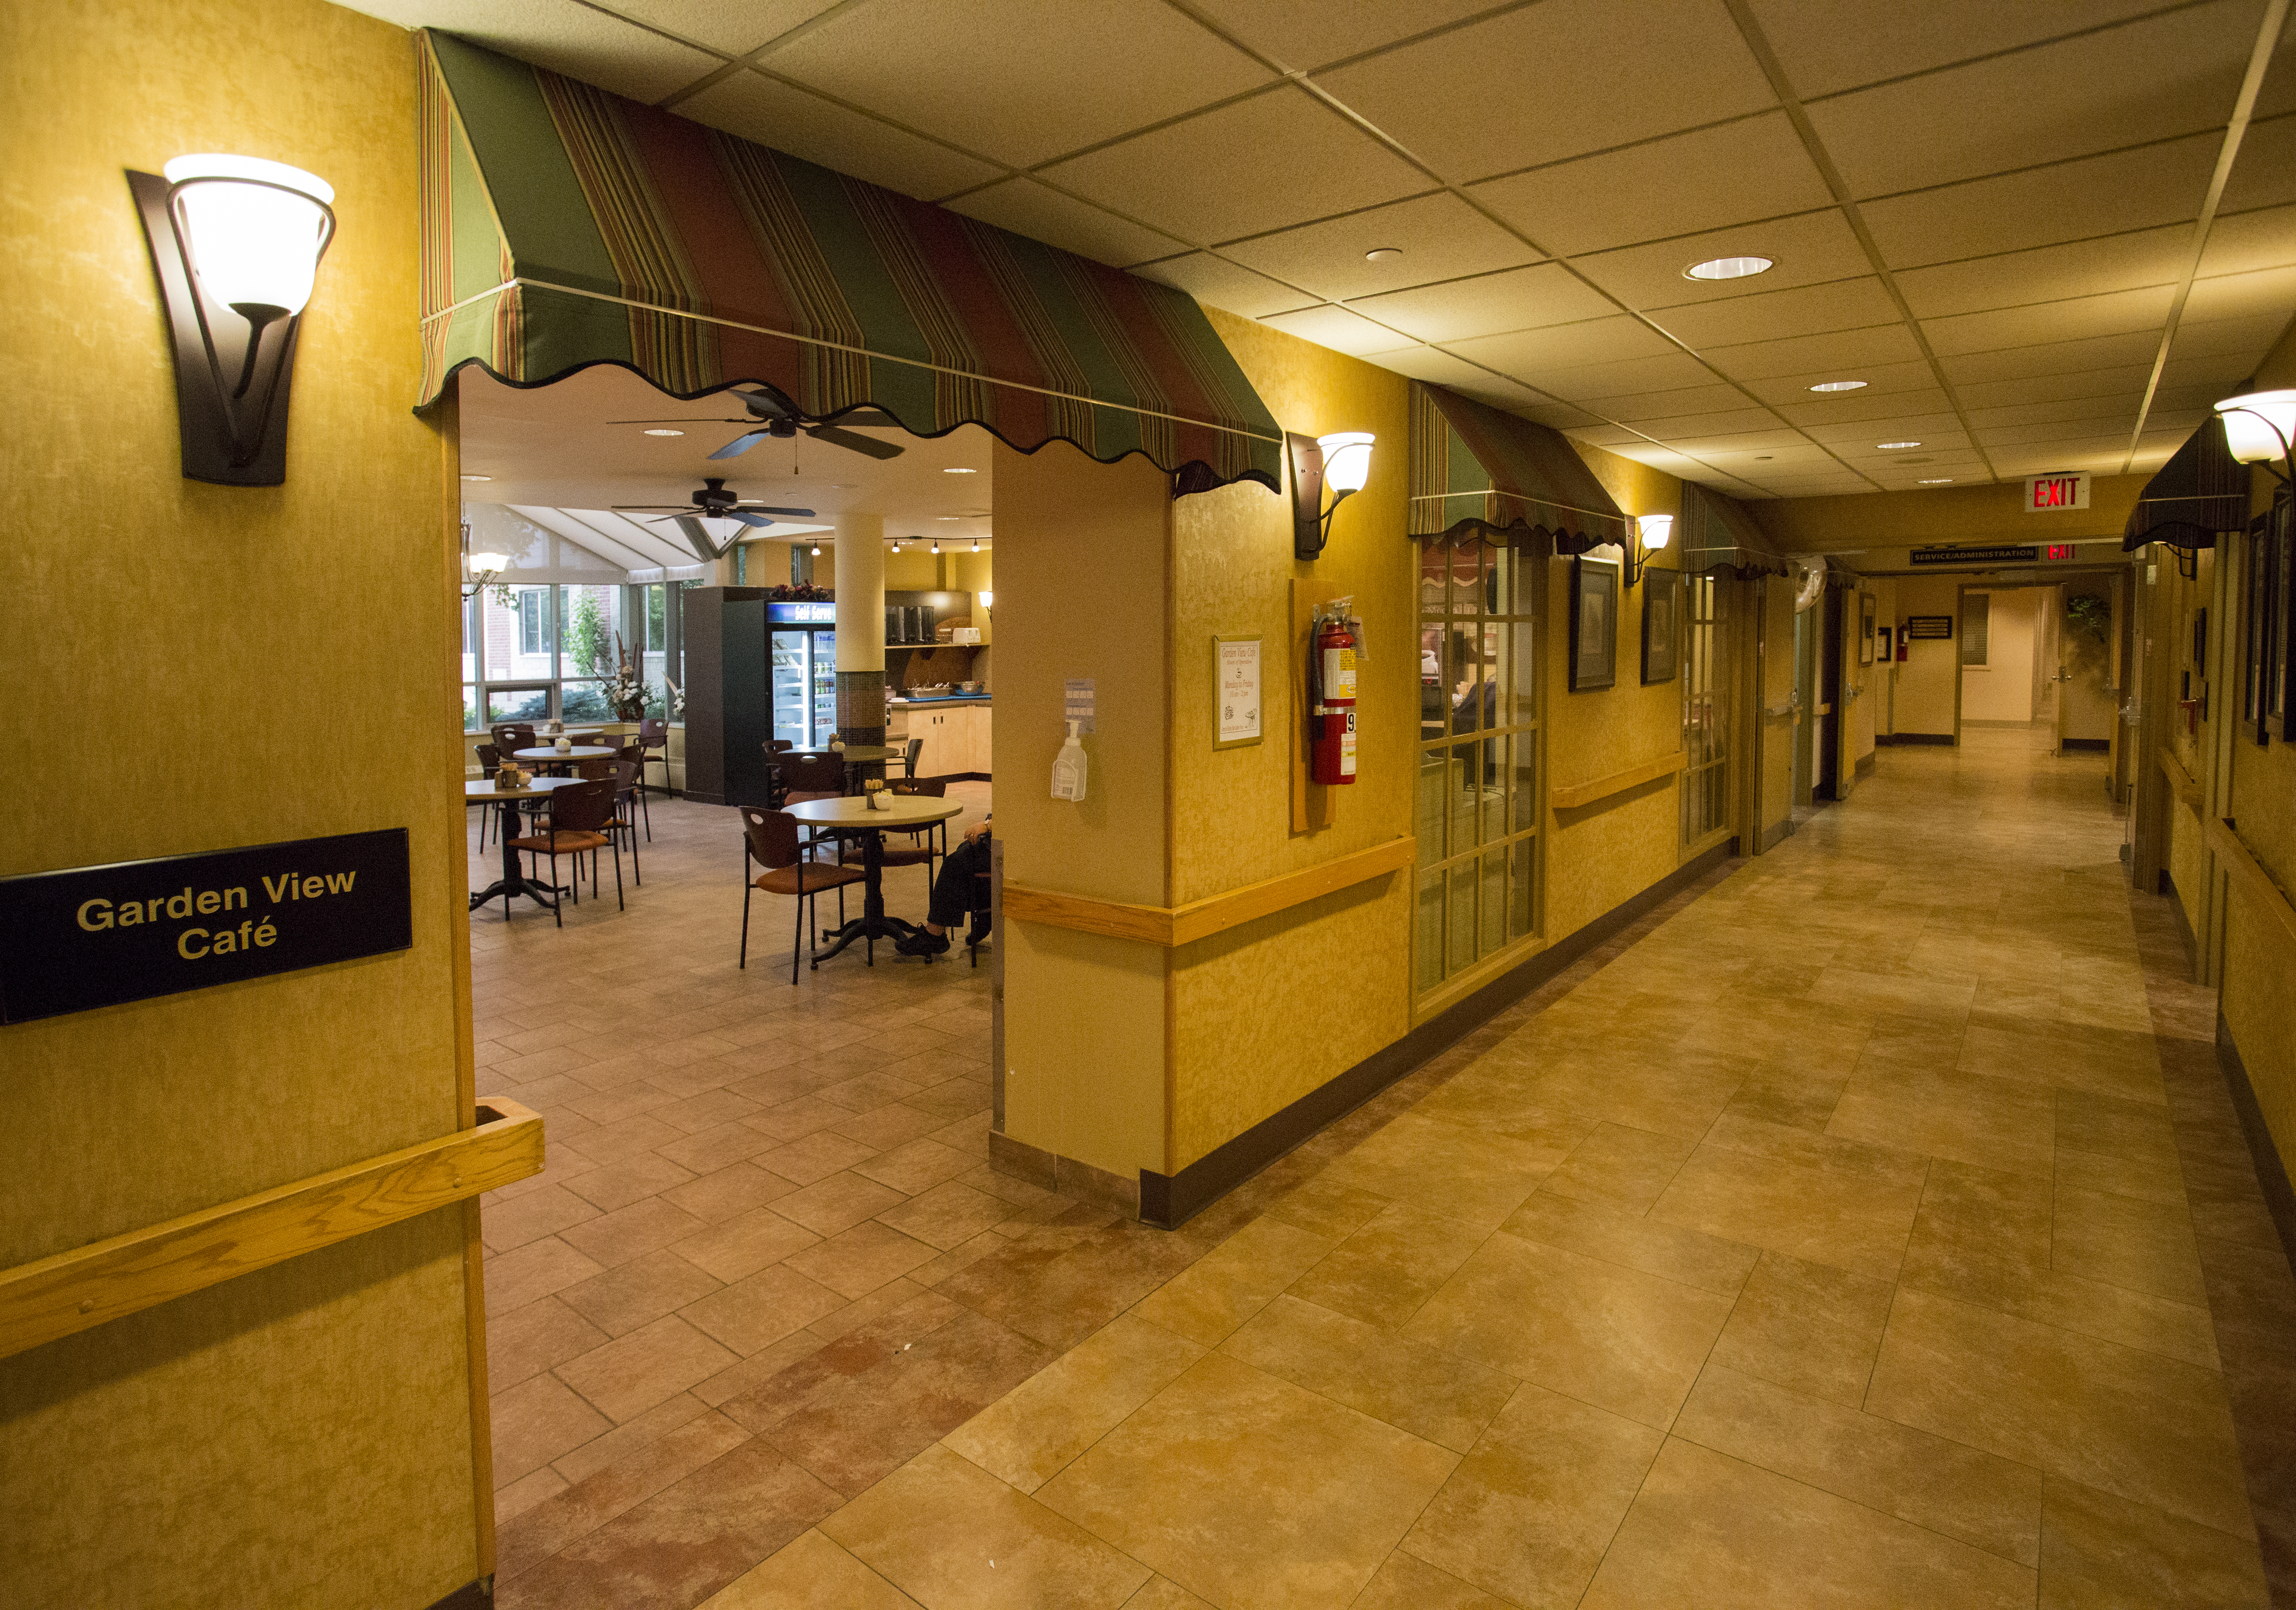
(824, 686)
(790, 679)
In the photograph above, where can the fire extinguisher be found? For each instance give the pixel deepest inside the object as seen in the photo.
(1331, 693)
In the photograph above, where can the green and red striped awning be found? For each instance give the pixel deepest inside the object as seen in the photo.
(1476, 472)
(564, 226)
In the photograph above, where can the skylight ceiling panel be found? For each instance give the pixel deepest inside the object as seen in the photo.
(2110, 194)
(1439, 238)
(1267, 162)
(1594, 340)
(1442, 97)
(1021, 82)
(1769, 316)
(2263, 239)
(2077, 318)
(1806, 250)
(2115, 262)
(1492, 304)
(1707, 178)
(1845, 406)
(801, 123)
(1217, 283)
(1823, 57)
(1336, 328)
(1846, 350)
(1044, 214)
(2153, 78)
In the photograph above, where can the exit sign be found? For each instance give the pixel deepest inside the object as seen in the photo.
(2062, 550)
(2045, 494)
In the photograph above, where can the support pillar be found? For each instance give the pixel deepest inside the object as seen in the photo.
(861, 628)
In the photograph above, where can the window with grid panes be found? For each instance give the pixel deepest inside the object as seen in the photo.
(1478, 802)
(1705, 708)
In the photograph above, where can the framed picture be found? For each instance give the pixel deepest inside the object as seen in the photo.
(1864, 629)
(1235, 691)
(1919, 628)
(2257, 632)
(1661, 624)
(1882, 643)
(1594, 624)
(2280, 689)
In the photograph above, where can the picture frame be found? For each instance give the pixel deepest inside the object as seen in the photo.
(1238, 689)
(1883, 650)
(1866, 601)
(1594, 624)
(2279, 701)
(2258, 628)
(1661, 625)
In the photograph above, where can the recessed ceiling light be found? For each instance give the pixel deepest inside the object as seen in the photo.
(958, 469)
(662, 432)
(478, 477)
(1940, 481)
(841, 486)
(948, 517)
(1728, 268)
(1895, 446)
(1381, 254)
(1839, 385)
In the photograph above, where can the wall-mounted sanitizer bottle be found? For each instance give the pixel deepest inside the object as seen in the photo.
(1067, 768)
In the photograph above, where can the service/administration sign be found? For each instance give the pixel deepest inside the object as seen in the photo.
(100, 936)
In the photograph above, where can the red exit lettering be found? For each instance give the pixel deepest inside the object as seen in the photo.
(2052, 494)
(2061, 550)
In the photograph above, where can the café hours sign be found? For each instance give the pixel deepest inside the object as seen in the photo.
(100, 936)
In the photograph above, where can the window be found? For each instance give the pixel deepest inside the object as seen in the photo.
(1705, 708)
(1478, 805)
(1976, 623)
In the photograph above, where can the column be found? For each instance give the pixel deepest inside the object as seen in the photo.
(861, 628)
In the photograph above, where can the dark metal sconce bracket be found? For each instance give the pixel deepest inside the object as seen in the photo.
(231, 402)
(1311, 518)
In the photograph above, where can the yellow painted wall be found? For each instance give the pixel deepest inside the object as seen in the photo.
(2002, 688)
(1240, 1050)
(1931, 666)
(1975, 515)
(299, 1436)
(1083, 595)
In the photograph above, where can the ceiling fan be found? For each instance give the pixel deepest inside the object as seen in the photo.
(773, 414)
(711, 501)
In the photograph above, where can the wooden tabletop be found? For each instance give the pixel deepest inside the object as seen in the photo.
(851, 751)
(485, 792)
(851, 811)
(580, 752)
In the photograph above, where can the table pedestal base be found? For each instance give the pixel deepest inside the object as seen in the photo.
(513, 881)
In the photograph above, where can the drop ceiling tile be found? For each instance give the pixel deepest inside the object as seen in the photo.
(1846, 350)
(1559, 416)
(1490, 304)
(1590, 382)
(2077, 318)
(1843, 408)
(1512, 396)
(1042, 213)
(1932, 431)
(2259, 293)
(1301, 35)
(2224, 373)
(2114, 262)
(1439, 235)
(2102, 455)
(1470, 103)
(1594, 340)
(2117, 404)
(2202, 398)
(1264, 163)
(2053, 357)
(577, 40)
(1881, 380)
(1723, 422)
(2112, 194)
(1773, 314)
(1022, 81)
(736, 26)
(1808, 249)
(2264, 175)
(1679, 464)
(1822, 56)
(801, 123)
(2251, 334)
(1220, 283)
(1707, 178)
(2018, 436)
(2263, 239)
(2153, 79)
(1726, 444)
(1608, 436)
(1710, 398)
(1336, 328)
(2053, 388)
(1431, 363)
(2184, 420)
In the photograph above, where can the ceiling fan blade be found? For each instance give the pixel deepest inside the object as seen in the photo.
(741, 444)
(869, 419)
(766, 508)
(855, 443)
(653, 508)
(766, 405)
(678, 421)
(754, 521)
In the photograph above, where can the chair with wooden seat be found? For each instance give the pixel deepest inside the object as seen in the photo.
(769, 839)
(922, 846)
(580, 815)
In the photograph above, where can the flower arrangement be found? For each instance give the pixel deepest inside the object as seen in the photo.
(677, 702)
(799, 592)
(625, 691)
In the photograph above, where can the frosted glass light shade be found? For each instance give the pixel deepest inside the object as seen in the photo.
(252, 244)
(489, 564)
(1657, 530)
(1347, 459)
(2251, 421)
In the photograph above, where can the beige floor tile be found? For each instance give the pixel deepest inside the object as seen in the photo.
(759, 1310)
(1165, 1486)
(1033, 1432)
(1237, 1279)
(1810, 1196)
(1492, 1096)
(1445, 1399)
(2148, 1428)
(638, 1292)
(2096, 1062)
(811, 1573)
(744, 1244)
(1407, 1583)
(2147, 1180)
(1622, 1167)
(1384, 1272)
(837, 1202)
(2099, 1552)
(1980, 1498)
(1603, 1231)
(1711, 1530)
(2126, 1241)
(1162, 1593)
(1616, 1337)
(1673, 1091)
(1332, 1211)
(1443, 1168)
(952, 1536)
(1914, 995)
(1806, 1326)
(1529, 1511)
(947, 1215)
(1996, 1123)
(627, 1376)
(1798, 1098)
(2116, 1127)
(856, 1261)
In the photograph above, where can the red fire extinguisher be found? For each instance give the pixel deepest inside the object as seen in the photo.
(1332, 754)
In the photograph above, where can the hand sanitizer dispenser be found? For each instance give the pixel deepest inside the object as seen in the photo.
(1069, 768)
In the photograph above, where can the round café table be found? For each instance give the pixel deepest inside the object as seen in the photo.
(851, 814)
(513, 882)
(549, 754)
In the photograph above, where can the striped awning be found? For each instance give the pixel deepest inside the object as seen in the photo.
(2202, 490)
(1476, 472)
(1717, 532)
(563, 227)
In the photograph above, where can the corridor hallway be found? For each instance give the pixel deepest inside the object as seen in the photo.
(1868, 1226)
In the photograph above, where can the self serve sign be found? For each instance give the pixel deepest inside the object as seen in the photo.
(2047, 494)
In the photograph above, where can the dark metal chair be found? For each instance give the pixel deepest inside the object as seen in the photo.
(653, 737)
(910, 751)
(627, 793)
(770, 839)
(489, 763)
(581, 813)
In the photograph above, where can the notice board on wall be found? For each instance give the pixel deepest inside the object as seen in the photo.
(1919, 626)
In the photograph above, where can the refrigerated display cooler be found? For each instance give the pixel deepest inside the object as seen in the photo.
(755, 669)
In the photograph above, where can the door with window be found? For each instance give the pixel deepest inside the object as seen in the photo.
(1708, 697)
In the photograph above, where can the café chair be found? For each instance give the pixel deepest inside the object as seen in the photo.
(594, 769)
(982, 914)
(909, 753)
(580, 815)
(769, 838)
(653, 737)
(921, 848)
(489, 763)
(628, 790)
(634, 752)
(510, 736)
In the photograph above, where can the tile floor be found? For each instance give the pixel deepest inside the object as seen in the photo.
(1868, 1226)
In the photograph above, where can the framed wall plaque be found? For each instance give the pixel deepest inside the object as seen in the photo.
(1865, 628)
(1594, 624)
(1235, 691)
(1920, 628)
(1661, 624)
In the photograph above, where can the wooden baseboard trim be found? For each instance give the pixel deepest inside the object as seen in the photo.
(1168, 1201)
(71, 1292)
(1577, 796)
(1945, 738)
(2087, 745)
(479, 1594)
(1865, 766)
(2271, 1169)
(1774, 835)
(1174, 926)
(1051, 1171)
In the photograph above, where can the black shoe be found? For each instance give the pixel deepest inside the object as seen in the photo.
(921, 943)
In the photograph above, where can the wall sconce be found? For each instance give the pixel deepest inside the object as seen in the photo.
(1340, 462)
(2261, 427)
(235, 245)
(1652, 532)
(484, 569)
(988, 598)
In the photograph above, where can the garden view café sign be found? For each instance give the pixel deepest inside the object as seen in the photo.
(102, 936)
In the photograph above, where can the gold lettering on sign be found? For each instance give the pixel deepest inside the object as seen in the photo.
(95, 914)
